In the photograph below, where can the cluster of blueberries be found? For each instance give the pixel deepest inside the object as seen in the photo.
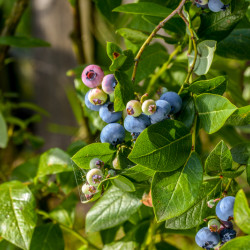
(213, 5)
(140, 114)
(218, 232)
(94, 177)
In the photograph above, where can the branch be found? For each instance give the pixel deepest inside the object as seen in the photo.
(149, 39)
(11, 24)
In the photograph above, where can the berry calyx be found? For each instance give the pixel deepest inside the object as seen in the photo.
(96, 163)
(97, 96)
(94, 176)
(134, 108)
(88, 189)
(214, 225)
(92, 76)
(149, 107)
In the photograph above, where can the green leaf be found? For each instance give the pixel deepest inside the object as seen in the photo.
(241, 243)
(236, 45)
(113, 208)
(194, 216)
(54, 161)
(204, 58)
(116, 55)
(216, 85)
(226, 1)
(241, 153)
(20, 41)
(173, 193)
(248, 171)
(219, 160)
(134, 36)
(47, 236)
(139, 173)
(164, 146)
(164, 245)
(213, 111)
(95, 150)
(218, 25)
(109, 235)
(120, 245)
(240, 117)
(122, 158)
(65, 212)
(144, 8)
(123, 91)
(17, 213)
(123, 183)
(242, 212)
(3, 132)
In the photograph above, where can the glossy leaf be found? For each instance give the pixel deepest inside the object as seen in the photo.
(144, 8)
(113, 208)
(123, 91)
(194, 216)
(3, 132)
(241, 243)
(135, 36)
(173, 193)
(236, 45)
(164, 146)
(204, 58)
(242, 212)
(123, 183)
(54, 161)
(139, 173)
(48, 236)
(17, 213)
(120, 245)
(218, 25)
(213, 111)
(241, 153)
(240, 117)
(219, 160)
(102, 151)
(20, 41)
(216, 85)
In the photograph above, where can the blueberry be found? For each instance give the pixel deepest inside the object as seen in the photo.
(149, 107)
(136, 124)
(94, 176)
(113, 133)
(207, 239)
(226, 224)
(92, 76)
(96, 163)
(108, 84)
(111, 173)
(174, 100)
(88, 190)
(227, 234)
(214, 225)
(163, 109)
(201, 2)
(216, 5)
(97, 96)
(90, 105)
(225, 208)
(135, 135)
(108, 114)
(133, 108)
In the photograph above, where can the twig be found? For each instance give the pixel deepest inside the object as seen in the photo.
(11, 25)
(149, 39)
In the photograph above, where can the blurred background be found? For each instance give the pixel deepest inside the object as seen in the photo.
(39, 73)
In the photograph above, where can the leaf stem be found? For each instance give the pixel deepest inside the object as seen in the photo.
(193, 132)
(151, 36)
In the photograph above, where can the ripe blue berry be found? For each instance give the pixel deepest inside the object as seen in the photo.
(174, 100)
(108, 84)
(92, 76)
(96, 163)
(207, 239)
(113, 133)
(134, 108)
(94, 176)
(225, 208)
(214, 225)
(89, 104)
(227, 234)
(216, 5)
(136, 124)
(97, 96)
(108, 114)
(149, 107)
(88, 190)
(163, 108)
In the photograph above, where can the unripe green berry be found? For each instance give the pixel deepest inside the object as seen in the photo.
(115, 163)
(214, 225)
(149, 107)
(97, 96)
(96, 163)
(111, 173)
(134, 108)
(88, 190)
(94, 176)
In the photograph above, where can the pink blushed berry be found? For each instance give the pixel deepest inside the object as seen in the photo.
(92, 76)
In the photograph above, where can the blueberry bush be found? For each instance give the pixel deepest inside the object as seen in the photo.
(166, 161)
